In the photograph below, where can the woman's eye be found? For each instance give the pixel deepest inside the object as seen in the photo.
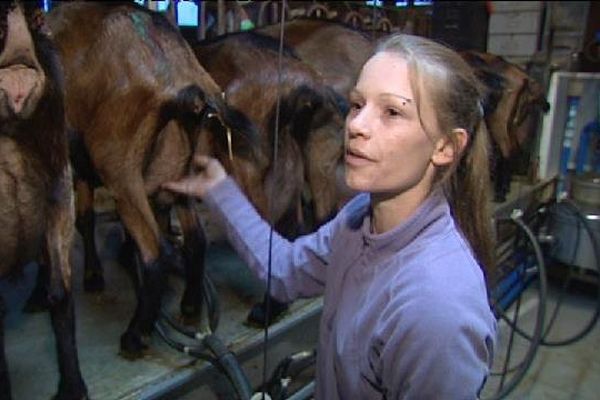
(355, 106)
(392, 112)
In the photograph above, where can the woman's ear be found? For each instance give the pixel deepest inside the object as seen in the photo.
(450, 146)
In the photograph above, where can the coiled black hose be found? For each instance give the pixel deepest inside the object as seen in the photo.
(521, 369)
(286, 370)
(542, 340)
(596, 315)
(220, 356)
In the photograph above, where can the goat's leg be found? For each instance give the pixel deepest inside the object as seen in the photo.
(59, 239)
(38, 299)
(162, 213)
(502, 178)
(194, 249)
(4, 377)
(93, 280)
(71, 385)
(322, 157)
(137, 217)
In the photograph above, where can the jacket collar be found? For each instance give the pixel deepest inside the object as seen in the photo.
(430, 218)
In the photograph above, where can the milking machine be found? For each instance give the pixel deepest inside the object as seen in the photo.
(521, 267)
(555, 232)
(574, 242)
(206, 345)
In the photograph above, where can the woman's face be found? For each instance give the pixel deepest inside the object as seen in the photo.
(387, 149)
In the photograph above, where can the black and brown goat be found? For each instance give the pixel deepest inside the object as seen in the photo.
(335, 50)
(137, 101)
(310, 140)
(514, 101)
(36, 193)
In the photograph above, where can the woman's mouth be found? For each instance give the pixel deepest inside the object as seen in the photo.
(356, 157)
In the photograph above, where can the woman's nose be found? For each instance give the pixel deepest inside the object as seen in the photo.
(357, 123)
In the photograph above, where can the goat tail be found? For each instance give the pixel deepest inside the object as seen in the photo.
(188, 103)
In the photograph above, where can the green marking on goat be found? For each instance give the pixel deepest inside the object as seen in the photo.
(139, 23)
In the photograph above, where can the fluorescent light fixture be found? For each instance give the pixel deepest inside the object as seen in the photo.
(187, 13)
(376, 3)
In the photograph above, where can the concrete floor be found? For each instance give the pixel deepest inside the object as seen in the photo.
(557, 372)
(569, 372)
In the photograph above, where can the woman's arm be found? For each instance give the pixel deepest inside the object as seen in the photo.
(298, 269)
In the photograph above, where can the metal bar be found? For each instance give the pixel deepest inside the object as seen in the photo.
(305, 393)
(244, 348)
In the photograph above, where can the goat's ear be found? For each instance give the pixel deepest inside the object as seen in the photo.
(525, 93)
(538, 96)
(303, 104)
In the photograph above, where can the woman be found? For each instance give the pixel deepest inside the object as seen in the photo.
(405, 312)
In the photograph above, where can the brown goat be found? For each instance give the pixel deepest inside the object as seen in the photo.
(310, 140)
(136, 100)
(514, 101)
(36, 193)
(334, 50)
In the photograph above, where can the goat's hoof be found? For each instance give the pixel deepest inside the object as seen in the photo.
(37, 303)
(77, 393)
(190, 307)
(190, 319)
(132, 346)
(93, 283)
(258, 314)
(71, 397)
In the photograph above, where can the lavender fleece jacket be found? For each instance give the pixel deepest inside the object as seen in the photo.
(405, 313)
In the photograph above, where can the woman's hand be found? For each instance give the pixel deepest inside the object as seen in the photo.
(210, 173)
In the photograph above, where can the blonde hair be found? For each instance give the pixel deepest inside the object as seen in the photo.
(455, 94)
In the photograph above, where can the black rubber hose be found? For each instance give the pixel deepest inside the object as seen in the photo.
(230, 366)
(287, 369)
(221, 358)
(190, 350)
(596, 248)
(213, 306)
(190, 333)
(537, 336)
(573, 207)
